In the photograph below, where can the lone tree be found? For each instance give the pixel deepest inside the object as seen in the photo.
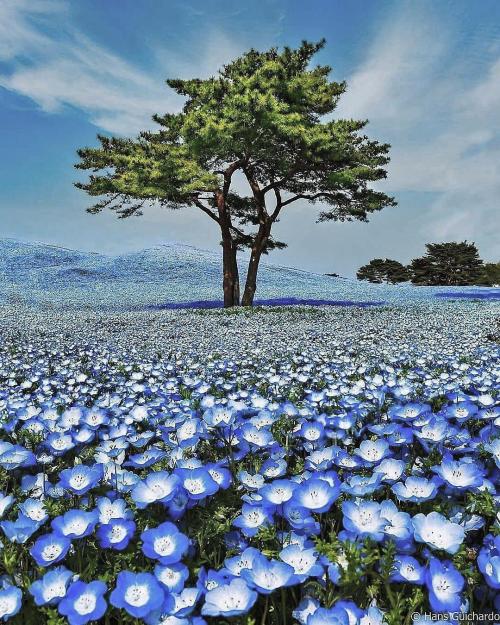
(381, 270)
(260, 120)
(450, 264)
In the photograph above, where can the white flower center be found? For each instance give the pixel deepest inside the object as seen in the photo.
(163, 545)
(51, 552)
(137, 595)
(85, 604)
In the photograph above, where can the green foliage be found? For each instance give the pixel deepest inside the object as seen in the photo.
(263, 115)
(381, 270)
(490, 274)
(450, 264)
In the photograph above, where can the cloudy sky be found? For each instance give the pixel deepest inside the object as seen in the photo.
(426, 74)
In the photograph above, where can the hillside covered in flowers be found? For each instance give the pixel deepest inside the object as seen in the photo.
(279, 466)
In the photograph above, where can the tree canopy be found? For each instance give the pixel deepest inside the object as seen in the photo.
(267, 116)
(450, 264)
(381, 270)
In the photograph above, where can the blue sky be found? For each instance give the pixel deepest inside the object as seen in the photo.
(426, 74)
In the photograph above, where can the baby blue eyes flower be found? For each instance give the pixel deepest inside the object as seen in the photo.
(416, 489)
(6, 502)
(267, 575)
(233, 599)
(34, 509)
(116, 509)
(444, 584)
(80, 479)
(159, 486)
(75, 523)
(277, 492)
(459, 474)
(305, 608)
(407, 569)
(52, 587)
(373, 452)
(10, 601)
(139, 594)
(488, 561)
(15, 456)
(316, 494)
(172, 576)
(164, 543)
(364, 519)
(116, 534)
(303, 561)
(50, 549)
(20, 530)
(252, 518)
(84, 602)
(333, 616)
(437, 532)
(197, 482)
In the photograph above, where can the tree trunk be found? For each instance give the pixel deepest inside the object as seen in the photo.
(253, 265)
(231, 280)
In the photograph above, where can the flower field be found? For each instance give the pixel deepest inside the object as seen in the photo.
(291, 465)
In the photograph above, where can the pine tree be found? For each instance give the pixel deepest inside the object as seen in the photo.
(381, 270)
(266, 117)
(450, 264)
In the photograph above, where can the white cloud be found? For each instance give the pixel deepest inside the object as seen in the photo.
(440, 110)
(62, 67)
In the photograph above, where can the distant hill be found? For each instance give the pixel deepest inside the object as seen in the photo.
(48, 276)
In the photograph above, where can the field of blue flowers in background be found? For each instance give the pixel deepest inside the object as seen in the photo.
(295, 465)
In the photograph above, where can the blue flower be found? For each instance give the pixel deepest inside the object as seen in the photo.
(20, 530)
(84, 602)
(164, 543)
(75, 523)
(252, 518)
(416, 489)
(15, 457)
(159, 486)
(267, 575)
(373, 452)
(407, 569)
(303, 561)
(364, 519)
(50, 549)
(436, 531)
(373, 616)
(390, 469)
(317, 495)
(236, 564)
(488, 561)
(52, 587)
(445, 584)
(333, 616)
(278, 492)
(116, 509)
(220, 475)
(459, 474)
(80, 479)
(10, 601)
(139, 594)
(6, 502)
(116, 534)
(197, 482)
(359, 485)
(305, 608)
(233, 599)
(34, 509)
(172, 576)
